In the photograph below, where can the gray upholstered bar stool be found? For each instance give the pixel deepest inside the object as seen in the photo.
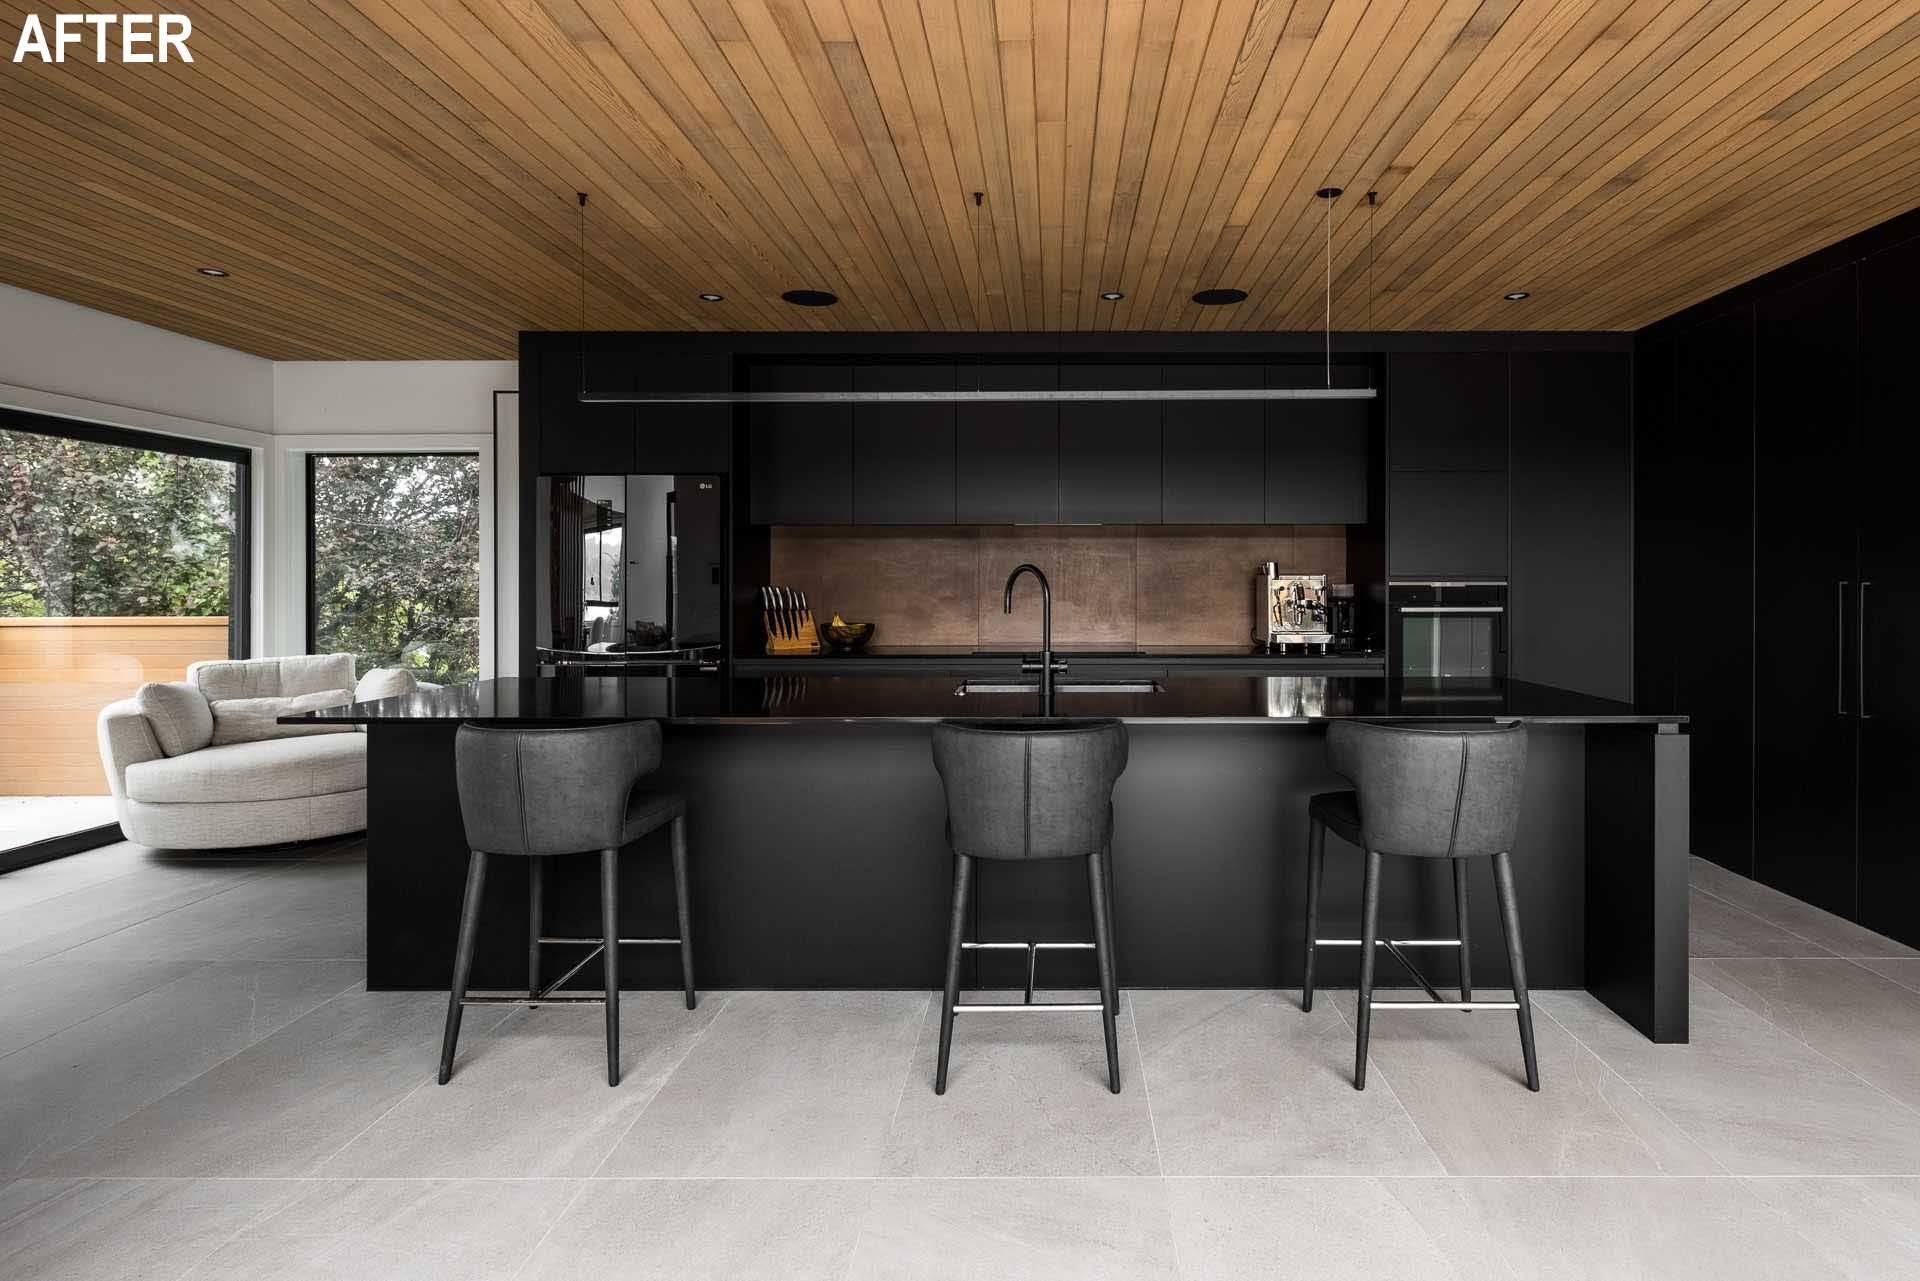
(1038, 788)
(1422, 793)
(537, 793)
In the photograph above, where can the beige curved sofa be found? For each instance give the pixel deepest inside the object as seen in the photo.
(180, 782)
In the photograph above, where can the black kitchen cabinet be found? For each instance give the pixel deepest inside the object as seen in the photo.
(802, 468)
(1007, 454)
(681, 439)
(903, 454)
(1804, 569)
(1447, 410)
(1887, 600)
(1319, 452)
(1447, 524)
(1110, 450)
(1215, 451)
(1571, 572)
(1708, 510)
(577, 439)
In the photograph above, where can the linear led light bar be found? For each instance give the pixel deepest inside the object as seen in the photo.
(1010, 395)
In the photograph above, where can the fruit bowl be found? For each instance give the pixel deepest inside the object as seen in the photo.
(844, 635)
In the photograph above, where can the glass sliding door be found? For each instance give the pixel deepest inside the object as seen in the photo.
(393, 561)
(123, 558)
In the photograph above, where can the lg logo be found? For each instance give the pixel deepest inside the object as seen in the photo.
(141, 37)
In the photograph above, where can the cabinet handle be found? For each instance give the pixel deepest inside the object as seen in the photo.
(1860, 654)
(1840, 648)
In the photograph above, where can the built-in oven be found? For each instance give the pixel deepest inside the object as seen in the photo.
(1453, 628)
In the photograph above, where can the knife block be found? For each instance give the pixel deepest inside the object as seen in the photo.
(805, 641)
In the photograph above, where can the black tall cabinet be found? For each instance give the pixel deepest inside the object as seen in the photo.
(1774, 534)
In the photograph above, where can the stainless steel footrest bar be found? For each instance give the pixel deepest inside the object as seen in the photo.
(597, 942)
(1033, 951)
(1033, 1007)
(1443, 1005)
(1389, 942)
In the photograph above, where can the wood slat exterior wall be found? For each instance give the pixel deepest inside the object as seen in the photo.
(57, 673)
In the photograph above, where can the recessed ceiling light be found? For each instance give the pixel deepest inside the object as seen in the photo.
(710, 298)
(809, 298)
(1113, 295)
(1219, 297)
(215, 272)
(1516, 295)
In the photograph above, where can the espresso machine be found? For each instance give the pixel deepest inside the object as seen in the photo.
(1291, 611)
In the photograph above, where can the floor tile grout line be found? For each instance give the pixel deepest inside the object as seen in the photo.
(1772, 925)
(258, 875)
(726, 1002)
(1637, 1091)
(1153, 1130)
(1387, 1079)
(1795, 1037)
(356, 985)
(192, 969)
(906, 1072)
(565, 1210)
(1787, 929)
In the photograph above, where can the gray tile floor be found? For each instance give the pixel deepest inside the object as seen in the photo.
(193, 1084)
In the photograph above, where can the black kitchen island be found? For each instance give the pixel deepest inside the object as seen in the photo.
(819, 860)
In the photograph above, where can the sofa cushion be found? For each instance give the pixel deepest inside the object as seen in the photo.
(276, 769)
(272, 677)
(384, 682)
(250, 720)
(181, 719)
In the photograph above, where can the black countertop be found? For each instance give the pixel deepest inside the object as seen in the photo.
(1208, 699)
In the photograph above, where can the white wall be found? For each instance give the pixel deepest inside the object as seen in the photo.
(71, 361)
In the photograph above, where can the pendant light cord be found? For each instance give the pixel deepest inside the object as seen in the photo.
(1373, 206)
(1329, 328)
(583, 291)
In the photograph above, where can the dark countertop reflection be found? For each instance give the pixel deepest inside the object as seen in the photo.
(718, 700)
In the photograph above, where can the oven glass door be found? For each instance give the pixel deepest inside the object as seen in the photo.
(1457, 632)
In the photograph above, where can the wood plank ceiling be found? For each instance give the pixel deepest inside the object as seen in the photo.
(396, 178)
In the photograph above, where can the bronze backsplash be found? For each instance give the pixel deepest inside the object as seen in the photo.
(1127, 586)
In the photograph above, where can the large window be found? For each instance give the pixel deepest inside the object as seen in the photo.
(394, 561)
(122, 560)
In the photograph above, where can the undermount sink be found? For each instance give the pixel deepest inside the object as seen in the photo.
(1060, 687)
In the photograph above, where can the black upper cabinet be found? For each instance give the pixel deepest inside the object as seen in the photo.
(682, 439)
(1110, 450)
(1572, 521)
(1318, 451)
(577, 439)
(1805, 490)
(1215, 450)
(1447, 410)
(802, 454)
(1447, 524)
(903, 454)
(1007, 455)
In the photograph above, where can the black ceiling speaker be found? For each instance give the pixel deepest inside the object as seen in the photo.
(810, 297)
(1219, 297)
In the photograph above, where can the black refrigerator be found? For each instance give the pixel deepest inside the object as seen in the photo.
(628, 572)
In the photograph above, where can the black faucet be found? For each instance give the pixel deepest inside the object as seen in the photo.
(1046, 631)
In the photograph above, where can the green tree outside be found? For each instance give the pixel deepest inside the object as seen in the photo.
(396, 561)
(106, 531)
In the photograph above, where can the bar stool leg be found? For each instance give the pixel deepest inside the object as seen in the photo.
(956, 935)
(1103, 955)
(610, 931)
(1369, 926)
(1316, 865)
(536, 920)
(1460, 927)
(1510, 925)
(463, 958)
(683, 905)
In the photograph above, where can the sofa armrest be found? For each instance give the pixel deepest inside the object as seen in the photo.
(126, 738)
